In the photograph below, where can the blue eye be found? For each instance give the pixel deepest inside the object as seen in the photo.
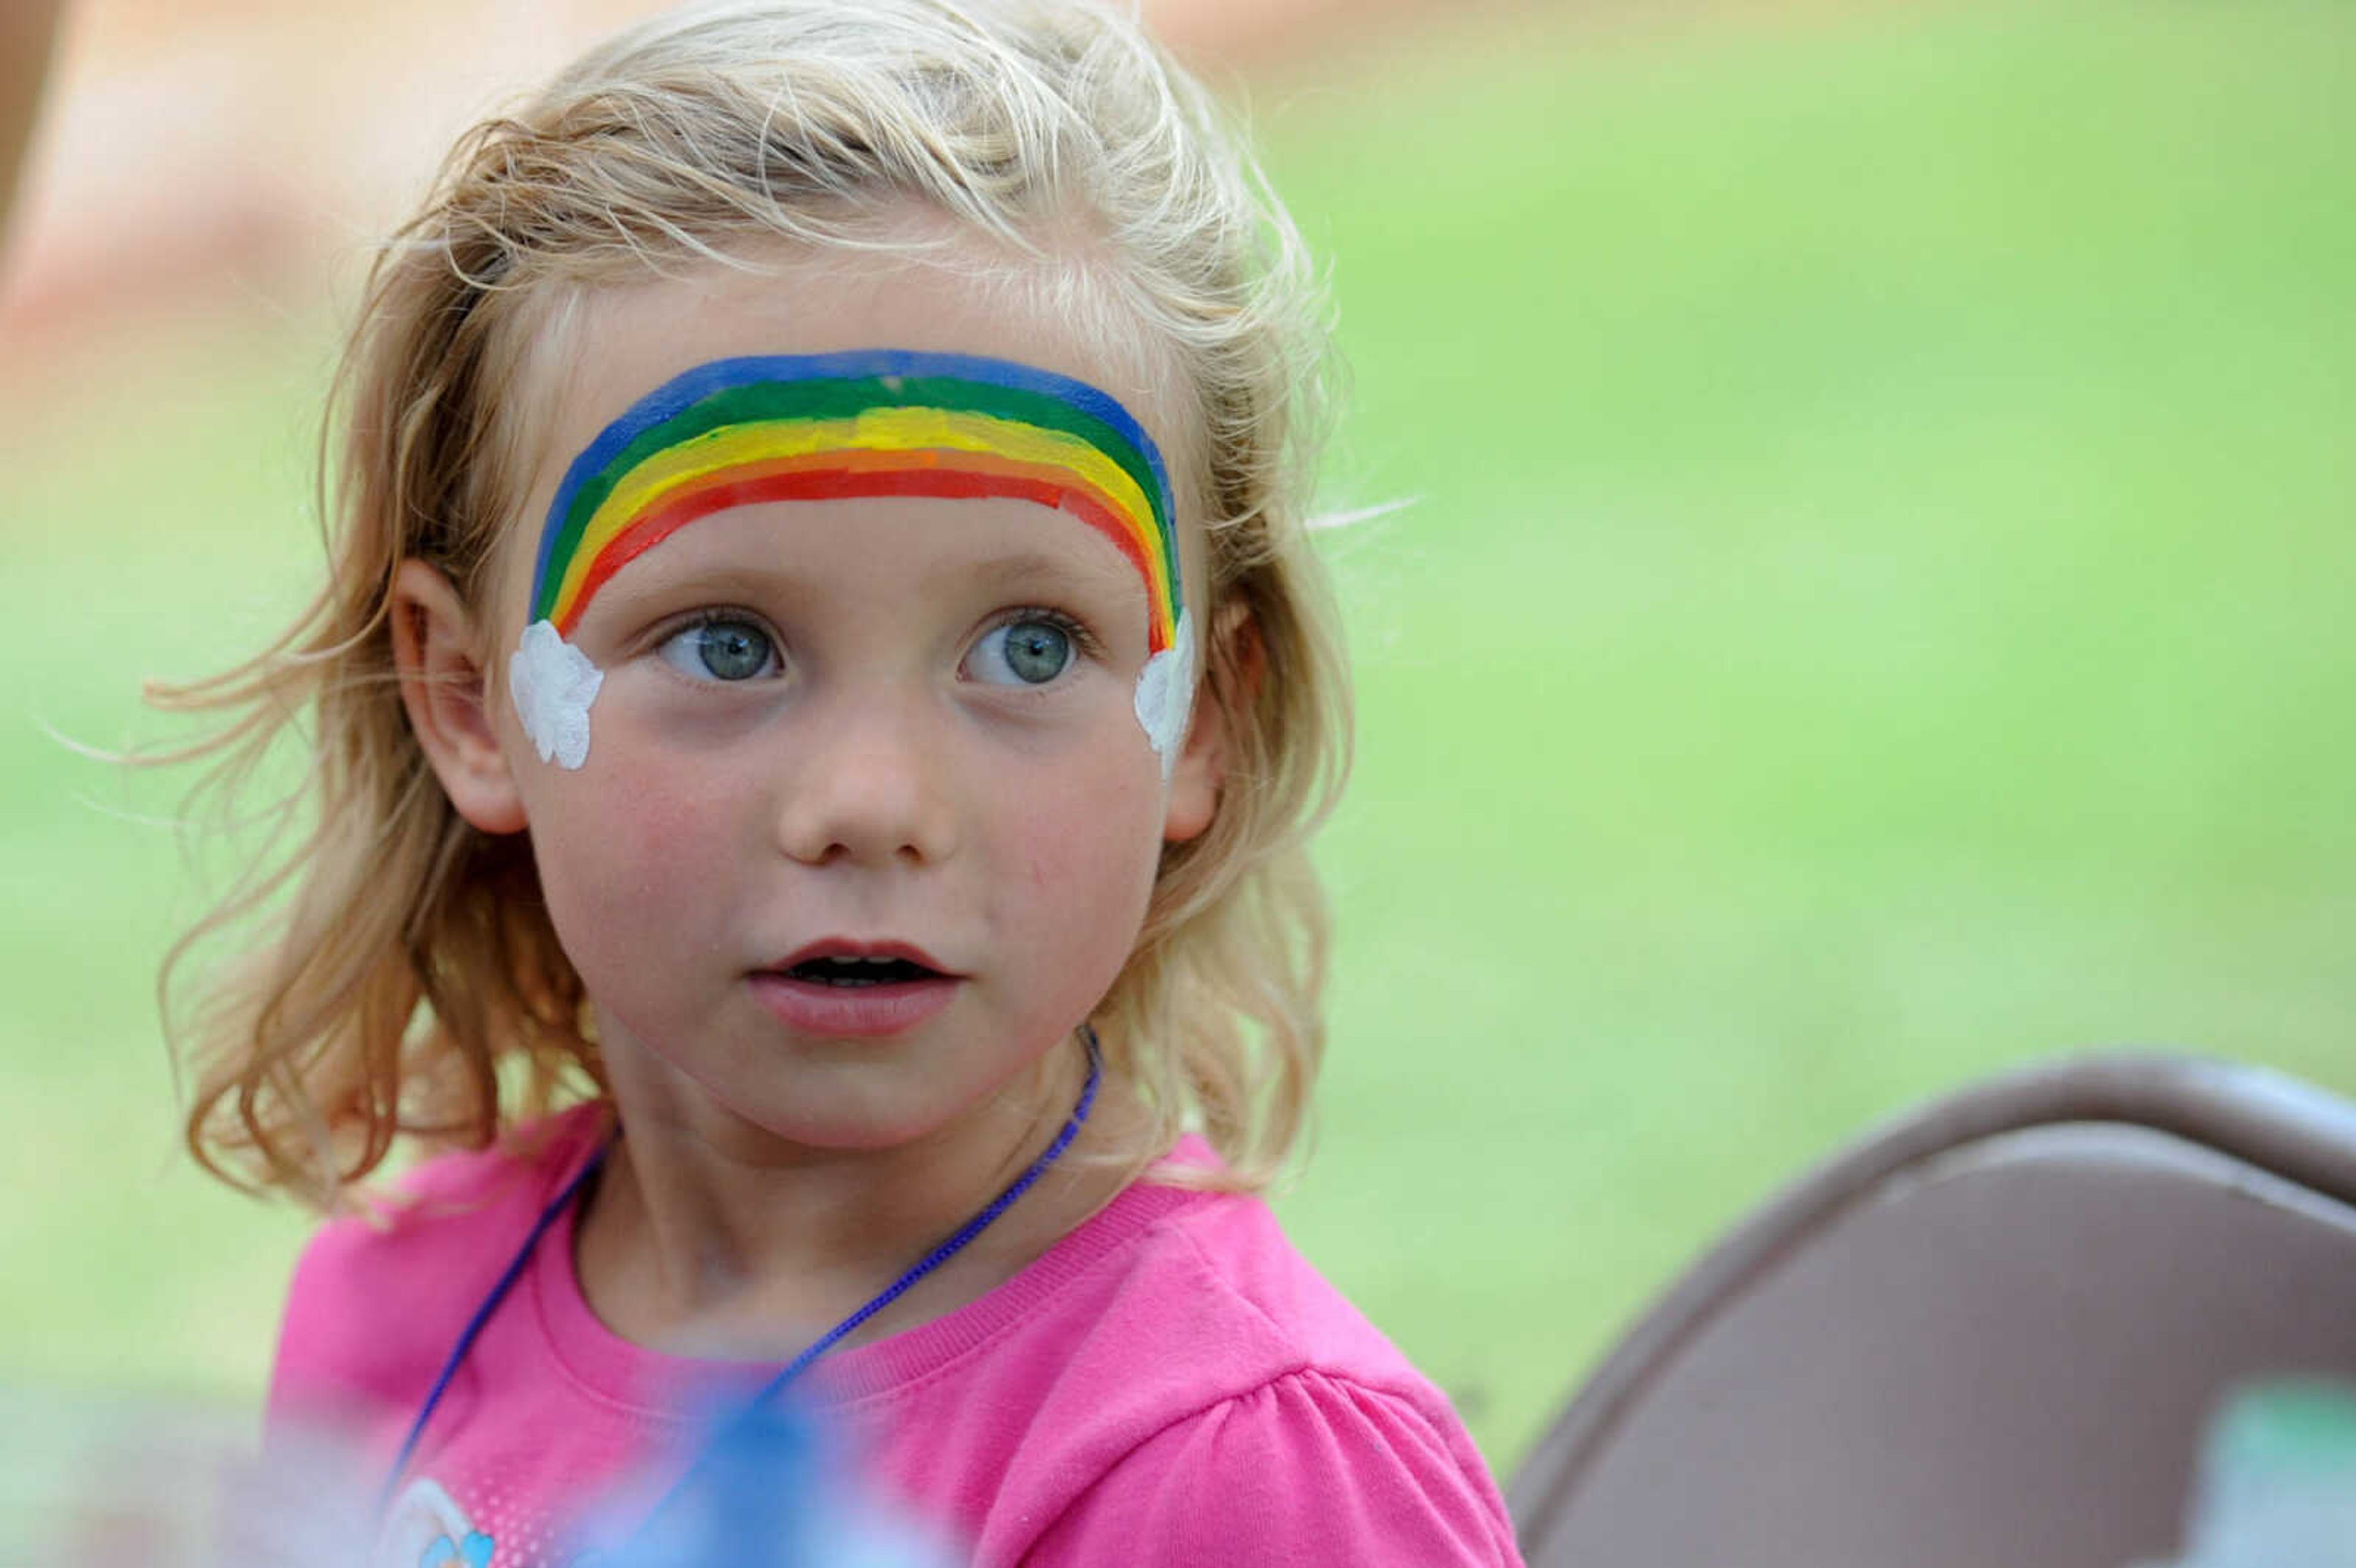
(721, 650)
(1028, 652)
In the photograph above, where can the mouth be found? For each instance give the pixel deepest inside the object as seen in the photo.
(858, 973)
(853, 989)
(850, 963)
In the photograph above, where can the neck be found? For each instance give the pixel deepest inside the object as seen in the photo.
(706, 1236)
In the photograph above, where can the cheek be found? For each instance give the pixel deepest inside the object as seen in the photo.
(1086, 844)
(625, 850)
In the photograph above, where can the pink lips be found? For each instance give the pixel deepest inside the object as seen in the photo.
(824, 988)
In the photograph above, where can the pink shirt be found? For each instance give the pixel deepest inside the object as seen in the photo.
(1170, 1383)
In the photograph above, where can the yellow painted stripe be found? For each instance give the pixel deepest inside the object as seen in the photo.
(878, 429)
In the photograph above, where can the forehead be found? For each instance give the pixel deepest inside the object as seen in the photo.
(600, 350)
(664, 402)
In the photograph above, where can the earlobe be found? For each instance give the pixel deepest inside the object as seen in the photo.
(1237, 664)
(445, 687)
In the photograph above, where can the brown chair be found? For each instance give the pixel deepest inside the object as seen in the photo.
(1987, 1337)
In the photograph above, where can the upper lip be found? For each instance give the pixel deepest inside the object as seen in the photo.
(853, 947)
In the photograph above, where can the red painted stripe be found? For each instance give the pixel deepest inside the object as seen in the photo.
(794, 480)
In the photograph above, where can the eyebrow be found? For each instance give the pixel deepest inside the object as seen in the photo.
(1018, 570)
(1024, 566)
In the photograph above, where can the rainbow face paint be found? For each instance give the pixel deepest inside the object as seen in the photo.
(867, 424)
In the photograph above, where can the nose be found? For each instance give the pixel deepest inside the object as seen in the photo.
(870, 784)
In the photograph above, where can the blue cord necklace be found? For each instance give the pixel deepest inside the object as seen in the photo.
(799, 1364)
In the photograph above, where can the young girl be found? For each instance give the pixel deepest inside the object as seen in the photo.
(819, 702)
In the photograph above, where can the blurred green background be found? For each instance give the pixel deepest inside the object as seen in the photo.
(1875, 611)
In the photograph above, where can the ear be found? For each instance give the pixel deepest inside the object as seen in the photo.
(445, 687)
(1230, 687)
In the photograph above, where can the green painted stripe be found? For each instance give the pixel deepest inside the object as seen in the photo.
(844, 399)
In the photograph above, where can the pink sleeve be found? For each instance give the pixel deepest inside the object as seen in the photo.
(1303, 1472)
(376, 1303)
(342, 1359)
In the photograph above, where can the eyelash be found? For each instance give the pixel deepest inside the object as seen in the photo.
(1083, 640)
(714, 616)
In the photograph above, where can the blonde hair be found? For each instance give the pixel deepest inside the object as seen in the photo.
(405, 981)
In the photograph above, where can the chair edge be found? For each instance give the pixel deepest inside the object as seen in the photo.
(2266, 1119)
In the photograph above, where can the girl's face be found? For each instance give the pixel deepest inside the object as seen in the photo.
(835, 732)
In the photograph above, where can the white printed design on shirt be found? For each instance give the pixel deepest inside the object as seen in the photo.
(427, 1529)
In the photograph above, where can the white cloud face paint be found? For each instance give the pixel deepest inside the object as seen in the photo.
(1165, 694)
(553, 683)
(870, 422)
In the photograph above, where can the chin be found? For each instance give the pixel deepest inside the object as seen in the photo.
(850, 1129)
